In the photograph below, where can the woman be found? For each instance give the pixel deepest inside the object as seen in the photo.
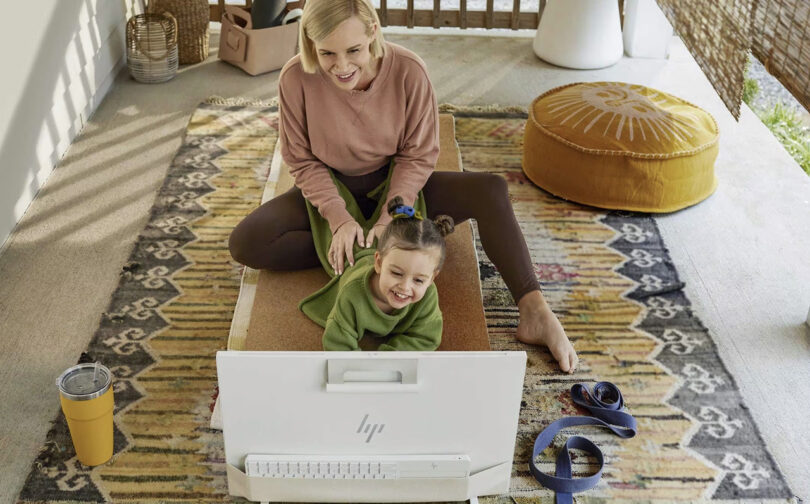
(354, 107)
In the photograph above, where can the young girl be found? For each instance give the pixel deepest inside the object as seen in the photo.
(391, 293)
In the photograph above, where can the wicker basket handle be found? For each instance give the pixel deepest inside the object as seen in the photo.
(169, 46)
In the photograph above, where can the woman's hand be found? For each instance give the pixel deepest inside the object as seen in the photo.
(343, 245)
(375, 231)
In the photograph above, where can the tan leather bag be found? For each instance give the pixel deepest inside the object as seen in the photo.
(255, 51)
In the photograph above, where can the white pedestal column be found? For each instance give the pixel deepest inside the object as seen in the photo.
(646, 31)
(580, 34)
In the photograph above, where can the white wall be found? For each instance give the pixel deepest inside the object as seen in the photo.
(59, 59)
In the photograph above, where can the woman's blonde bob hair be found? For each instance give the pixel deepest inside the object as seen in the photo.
(321, 17)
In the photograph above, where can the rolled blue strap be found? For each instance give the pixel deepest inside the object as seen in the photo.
(604, 402)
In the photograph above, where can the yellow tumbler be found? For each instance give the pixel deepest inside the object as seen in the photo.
(87, 400)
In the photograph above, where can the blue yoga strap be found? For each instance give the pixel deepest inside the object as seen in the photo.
(605, 402)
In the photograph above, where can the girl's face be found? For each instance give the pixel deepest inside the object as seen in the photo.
(403, 276)
(345, 57)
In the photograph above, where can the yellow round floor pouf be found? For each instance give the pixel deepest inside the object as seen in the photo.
(620, 146)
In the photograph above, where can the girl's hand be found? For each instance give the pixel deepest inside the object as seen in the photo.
(375, 231)
(343, 245)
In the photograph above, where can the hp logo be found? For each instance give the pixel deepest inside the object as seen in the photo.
(370, 429)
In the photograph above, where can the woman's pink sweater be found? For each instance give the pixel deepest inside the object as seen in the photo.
(358, 132)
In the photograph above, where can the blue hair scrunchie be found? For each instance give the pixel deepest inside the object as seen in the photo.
(406, 212)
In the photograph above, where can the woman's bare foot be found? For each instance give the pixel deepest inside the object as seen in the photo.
(539, 326)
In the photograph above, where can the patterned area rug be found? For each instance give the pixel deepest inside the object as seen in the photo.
(606, 274)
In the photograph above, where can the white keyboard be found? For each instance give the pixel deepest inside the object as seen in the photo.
(375, 467)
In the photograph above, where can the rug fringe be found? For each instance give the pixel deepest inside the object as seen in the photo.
(493, 110)
(242, 101)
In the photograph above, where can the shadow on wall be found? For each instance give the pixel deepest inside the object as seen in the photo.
(99, 171)
(81, 43)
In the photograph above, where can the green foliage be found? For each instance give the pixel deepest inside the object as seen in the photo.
(750, 86)
(785, 123)
(750, 91)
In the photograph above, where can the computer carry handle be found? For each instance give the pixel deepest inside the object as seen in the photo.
(367, 375)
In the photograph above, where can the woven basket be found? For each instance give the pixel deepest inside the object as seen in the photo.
(152, 47)
(192, 26)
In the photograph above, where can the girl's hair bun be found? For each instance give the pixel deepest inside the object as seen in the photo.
(414, 232)
(445, 224)
(394, 203)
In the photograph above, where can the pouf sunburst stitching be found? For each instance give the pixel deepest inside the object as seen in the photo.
(620, 146)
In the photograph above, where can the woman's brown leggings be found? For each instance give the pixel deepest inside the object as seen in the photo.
(276, 236)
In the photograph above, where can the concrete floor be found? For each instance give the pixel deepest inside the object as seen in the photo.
(743, 253)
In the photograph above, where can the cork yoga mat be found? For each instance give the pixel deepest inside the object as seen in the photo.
(277, 324)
